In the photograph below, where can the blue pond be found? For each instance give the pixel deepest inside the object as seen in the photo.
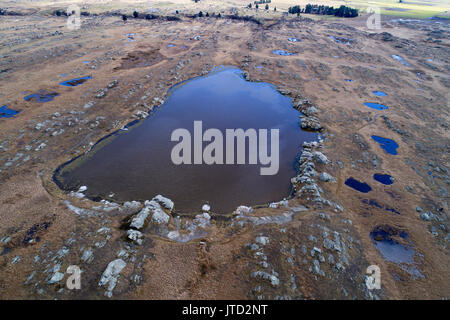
(170, 45)
(401, 60)
(376, 106)
(41, 96)
(137, 163)
(7, 113)
(383, 237)
(283, 53)
(357, 185)
(383, 178)
(342, 40)
(380, 93)
(75, 82)
(294, 40)
(388, 145)
(349, 80)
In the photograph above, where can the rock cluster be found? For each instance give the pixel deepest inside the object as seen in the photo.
(305, 184)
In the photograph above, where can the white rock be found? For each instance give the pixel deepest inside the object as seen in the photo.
(160, 217)
(111, 275)
(320, 157)
(326, 177)
(87, 255)
(165, 202)
(139, 220)
(206, 207)
(243, 210)
(135, 236)
(57, 277)
(262, 240)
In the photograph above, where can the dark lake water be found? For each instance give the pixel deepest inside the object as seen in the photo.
(136, 164)
(357, 185)
(383, 178)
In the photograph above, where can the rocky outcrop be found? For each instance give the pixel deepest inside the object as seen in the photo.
(111, 275)
(305, 184)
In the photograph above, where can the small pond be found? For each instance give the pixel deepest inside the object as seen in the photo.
(5, 112)
(357, 185)
(376, 106)
(388, 145)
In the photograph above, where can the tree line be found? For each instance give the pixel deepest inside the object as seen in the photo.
(342, 11)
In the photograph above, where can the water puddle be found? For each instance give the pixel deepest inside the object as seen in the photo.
(349, 80)
(388, 145)
(41, 96)
(357, 185)
(283, 53)
(342, 40)
(135, 164)
(5, 112)
(383, 178)
(294, 40)
(75, 82)
(376, 106)
(389, 242)
(130, 37)
(401, 60)
(380, 94)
